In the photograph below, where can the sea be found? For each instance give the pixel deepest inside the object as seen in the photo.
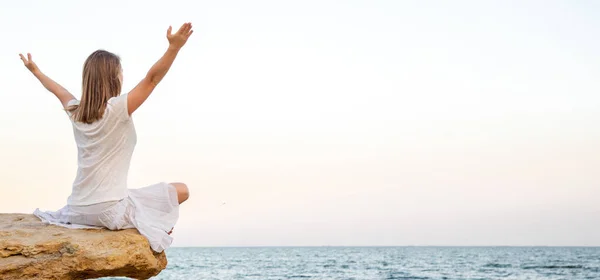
(360, 263)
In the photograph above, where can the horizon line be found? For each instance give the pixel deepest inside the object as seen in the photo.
(393, 246)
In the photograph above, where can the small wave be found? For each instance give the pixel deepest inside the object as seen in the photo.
(593, 269)
(200, 266)
(497, 265)
(553, 267)
(401, 276)
(392, 277)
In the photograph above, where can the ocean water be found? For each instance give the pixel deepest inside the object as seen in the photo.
(383, 263)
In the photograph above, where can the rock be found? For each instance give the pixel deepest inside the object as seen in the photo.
(30, 249)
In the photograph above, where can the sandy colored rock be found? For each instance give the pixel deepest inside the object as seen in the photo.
(30, 249)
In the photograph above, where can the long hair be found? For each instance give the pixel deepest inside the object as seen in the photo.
(100, 82)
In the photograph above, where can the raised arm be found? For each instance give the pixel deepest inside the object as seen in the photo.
(60, 92)
(140, 93)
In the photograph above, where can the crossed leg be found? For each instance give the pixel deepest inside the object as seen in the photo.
(183, 193)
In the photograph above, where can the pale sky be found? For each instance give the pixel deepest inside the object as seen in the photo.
(329, 122)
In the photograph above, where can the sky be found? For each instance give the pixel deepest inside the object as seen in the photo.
(339, 123)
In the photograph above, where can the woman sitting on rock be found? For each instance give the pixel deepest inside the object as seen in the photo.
(105, 138)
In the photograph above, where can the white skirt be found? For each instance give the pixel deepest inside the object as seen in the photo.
(152, 210)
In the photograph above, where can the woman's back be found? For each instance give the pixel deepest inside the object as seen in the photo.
(104, 150)
(105, 138)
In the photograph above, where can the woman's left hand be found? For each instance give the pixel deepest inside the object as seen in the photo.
(28, 62)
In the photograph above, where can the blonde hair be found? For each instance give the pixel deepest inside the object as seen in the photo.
(101, 81)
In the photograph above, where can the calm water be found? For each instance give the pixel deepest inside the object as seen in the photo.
(383, 263)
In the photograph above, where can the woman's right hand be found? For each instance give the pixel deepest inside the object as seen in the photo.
(180, 37)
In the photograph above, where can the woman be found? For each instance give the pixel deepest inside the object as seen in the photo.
(105, 138)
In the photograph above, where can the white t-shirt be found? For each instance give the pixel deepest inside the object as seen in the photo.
(104, 150)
